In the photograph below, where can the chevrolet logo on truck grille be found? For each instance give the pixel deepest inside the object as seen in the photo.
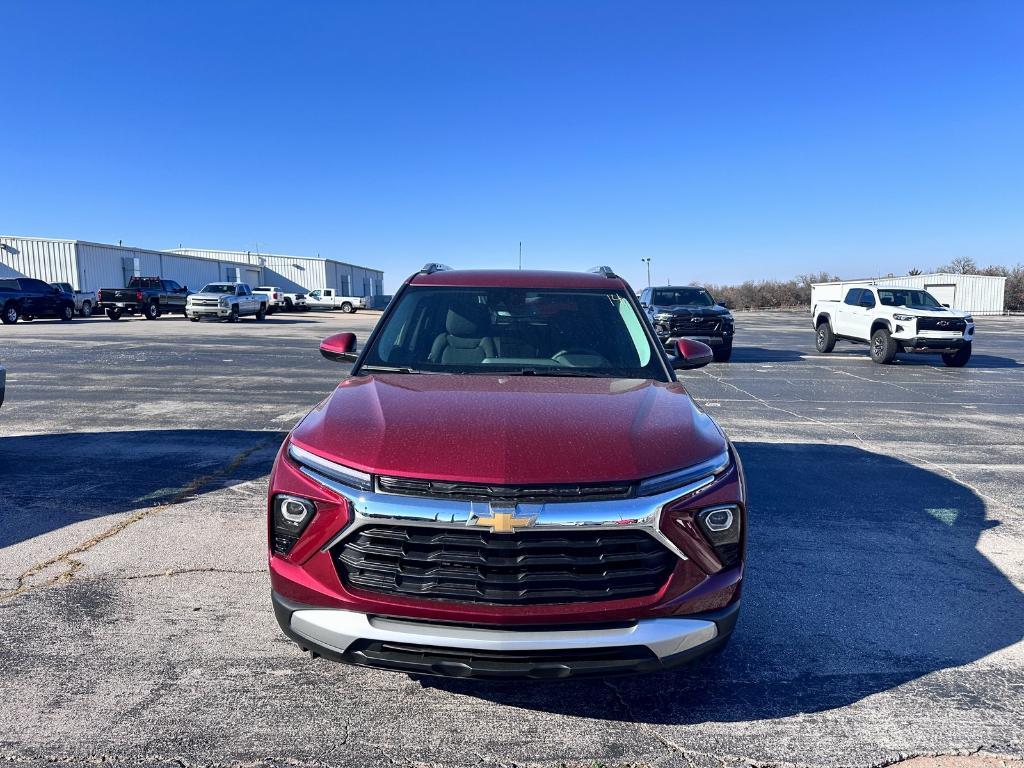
(503, 520)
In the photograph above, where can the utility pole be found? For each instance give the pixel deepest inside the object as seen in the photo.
(647, 261)
(520, 255)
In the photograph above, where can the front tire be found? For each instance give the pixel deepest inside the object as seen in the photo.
(115, 314)
(10, 315)
(233, 316)
(959, 358)
(152, 311)
(883, 348)
(68, 313)
(723, 354)
(824, 339)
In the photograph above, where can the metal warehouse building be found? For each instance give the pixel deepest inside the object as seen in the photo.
(89, 266)
(977, 294)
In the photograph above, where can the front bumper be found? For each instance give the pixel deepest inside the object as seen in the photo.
(714, 342)
(207, 311)
(546, 652)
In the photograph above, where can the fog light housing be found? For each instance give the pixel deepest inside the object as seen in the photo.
(290, 515)
(722, 527)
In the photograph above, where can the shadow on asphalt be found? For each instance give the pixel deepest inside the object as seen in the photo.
(51, 481)
(862, 575)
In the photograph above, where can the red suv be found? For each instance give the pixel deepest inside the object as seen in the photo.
(510, 482)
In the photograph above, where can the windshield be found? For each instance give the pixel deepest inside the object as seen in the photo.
(691, 297)
(536, 332)
(218, 288)
(907, 297)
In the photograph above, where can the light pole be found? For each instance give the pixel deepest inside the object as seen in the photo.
(647, 261)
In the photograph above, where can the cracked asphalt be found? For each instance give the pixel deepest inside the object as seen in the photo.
(883, 610)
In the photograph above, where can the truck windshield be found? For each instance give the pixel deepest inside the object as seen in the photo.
(532, 332)
(690, 297)
(907, 297)
(218, 288)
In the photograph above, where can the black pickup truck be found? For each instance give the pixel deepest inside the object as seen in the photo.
(146, 296)
(26, 298)
(689, 312)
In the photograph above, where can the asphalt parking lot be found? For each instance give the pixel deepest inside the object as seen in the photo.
(883, 610)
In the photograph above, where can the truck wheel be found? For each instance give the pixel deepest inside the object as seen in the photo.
(288, 305)
(10, 314)
(115, 314)
(233, 317)
(723, 353)
(883, 348)
(824, 339)
(86, 309)
(152, 311)
(959, 358)
(261, 313)
(68, 313)
(346, 307)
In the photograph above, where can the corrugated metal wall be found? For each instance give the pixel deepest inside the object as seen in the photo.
(977, 294)
(43, 259)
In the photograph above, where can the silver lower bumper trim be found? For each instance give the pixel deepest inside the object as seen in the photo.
(337, 629)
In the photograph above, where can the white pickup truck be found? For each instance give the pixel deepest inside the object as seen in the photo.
(85, 301)
(328, 298)
(893, 319)
(226, 301)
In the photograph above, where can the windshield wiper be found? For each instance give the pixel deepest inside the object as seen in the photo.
(551, 372)
(389, 369)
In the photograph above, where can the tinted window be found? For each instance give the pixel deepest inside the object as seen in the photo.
(36, 285)
(9, 285)
(219, 288)
(170, 285)
(670, 297)
(544, 332)
(867, 298)
(907, 297)
(853, 297)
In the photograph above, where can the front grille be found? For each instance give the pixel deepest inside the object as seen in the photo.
(205, 302)
(953, 325)
(524, 568)
(682, 326)
(455, 662)
(411, 486)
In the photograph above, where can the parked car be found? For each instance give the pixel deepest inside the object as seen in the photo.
(226, 301)
(555, 506)
(688, 312)
(26, 298)
(275, 298)
(295, 302)
(84, 300)
(892, 319)
(328, 298)
(147, 296)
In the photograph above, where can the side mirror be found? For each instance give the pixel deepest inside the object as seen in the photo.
(341, 347)
(690, 354)
(946, 306)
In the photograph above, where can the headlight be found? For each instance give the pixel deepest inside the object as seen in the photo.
(905, 318)
(684, 477)
(290, 515)
(727, 317)
(223, 301)
(352, 478)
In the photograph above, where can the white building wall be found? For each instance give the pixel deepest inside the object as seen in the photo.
(41, 258)
(977, 294)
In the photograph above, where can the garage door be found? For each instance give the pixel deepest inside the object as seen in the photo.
(944, 293)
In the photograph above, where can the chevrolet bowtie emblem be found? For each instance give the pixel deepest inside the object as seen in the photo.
(503, 522)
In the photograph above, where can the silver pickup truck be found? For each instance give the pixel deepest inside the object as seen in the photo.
(85, 301)
(226, 301)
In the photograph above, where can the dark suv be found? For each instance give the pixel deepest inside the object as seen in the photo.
(26, 298)
(688, 312)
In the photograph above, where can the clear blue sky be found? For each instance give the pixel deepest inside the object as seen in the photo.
(725, 140)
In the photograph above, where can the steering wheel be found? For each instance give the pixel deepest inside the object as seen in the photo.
(559, 357)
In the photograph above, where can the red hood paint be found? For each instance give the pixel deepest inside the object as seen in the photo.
(510, 429)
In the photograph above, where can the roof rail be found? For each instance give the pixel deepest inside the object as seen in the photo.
(606, 271)
(432, 266)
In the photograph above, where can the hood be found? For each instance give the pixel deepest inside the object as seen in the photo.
(510, 429)
(931, 311)
(688, 309)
